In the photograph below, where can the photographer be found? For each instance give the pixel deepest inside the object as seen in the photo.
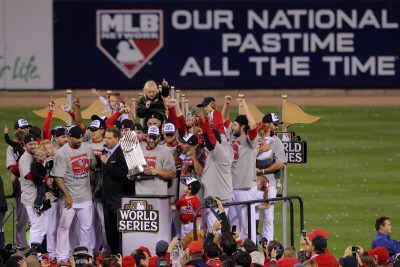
(272, 252)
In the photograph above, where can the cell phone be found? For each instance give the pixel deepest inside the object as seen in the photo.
(263, 242)
(174, 255)
(354, 249)
(304, 233)
(179, 243)
(278, 250)
(162, 262)
(240, 247)
(233, 229)
(114, 257)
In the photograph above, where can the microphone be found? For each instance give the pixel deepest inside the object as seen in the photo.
(105, 150)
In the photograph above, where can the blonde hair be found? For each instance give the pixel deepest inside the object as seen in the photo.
(148, 85)
(39, 150)
(262, 132)
(289, 252)
(310, 263)
(48, 142)
(185, 258)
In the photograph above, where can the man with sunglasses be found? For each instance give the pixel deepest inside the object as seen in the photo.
(279, 159)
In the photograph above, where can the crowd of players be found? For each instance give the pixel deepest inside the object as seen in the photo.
(71, 191)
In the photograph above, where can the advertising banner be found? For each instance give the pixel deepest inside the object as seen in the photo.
(227, 44)
(26, 44)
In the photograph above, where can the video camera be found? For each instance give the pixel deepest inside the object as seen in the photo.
(210, 202)
(81, 255)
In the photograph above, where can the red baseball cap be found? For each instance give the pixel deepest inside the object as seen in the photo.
(196, 247)
(381, 252)
(146, 250)
(318, 231)
(128, 261)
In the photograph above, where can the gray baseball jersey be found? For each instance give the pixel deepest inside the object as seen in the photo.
(277, 155)
(244, 159)
(217, 176)
(73, 166)
(28, 187)
(98, 183)
(160, 159)
(10, 159)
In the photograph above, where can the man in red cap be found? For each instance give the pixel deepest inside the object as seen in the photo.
(311, 235)
(380, 255)
(319, 254)
(196, 252)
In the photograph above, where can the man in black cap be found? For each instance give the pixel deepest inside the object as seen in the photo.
(73, 170)
(22, 216)
(242, 135)
(97, 130)
(216, 178)
(138, 129)
(125, 126)
(279, 159)
(60, 137)
(29, 191)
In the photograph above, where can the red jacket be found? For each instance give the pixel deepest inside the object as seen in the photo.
(325, 260)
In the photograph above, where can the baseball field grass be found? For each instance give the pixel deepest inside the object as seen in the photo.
(351, 176)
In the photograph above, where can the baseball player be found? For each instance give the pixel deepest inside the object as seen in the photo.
(279, 159)
(22, 215)
(29, 192)
(242, 134)
(217, 177)
(98, 238)
(74, 165)
(160, 167)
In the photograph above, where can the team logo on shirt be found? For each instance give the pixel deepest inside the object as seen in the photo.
(187, 168)
(80, 166)
(130, 38)
(138, 216)
(235, 146)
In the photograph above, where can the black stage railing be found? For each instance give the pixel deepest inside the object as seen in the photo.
(248, 204)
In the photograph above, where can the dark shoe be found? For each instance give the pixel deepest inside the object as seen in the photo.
(46, 205)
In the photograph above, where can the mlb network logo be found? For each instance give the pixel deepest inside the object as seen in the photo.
(130, 38)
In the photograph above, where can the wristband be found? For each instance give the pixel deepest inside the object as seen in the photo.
(214, 232)
(237, 239)
(263, 171)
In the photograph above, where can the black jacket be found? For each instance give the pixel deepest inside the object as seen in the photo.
(156, 105)
(3, 201)
(115, 181)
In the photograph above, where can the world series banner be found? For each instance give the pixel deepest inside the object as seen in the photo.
(227, 44)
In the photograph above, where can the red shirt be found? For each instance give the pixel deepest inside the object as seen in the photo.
(187, 206)
(325, 260)
(216, 262)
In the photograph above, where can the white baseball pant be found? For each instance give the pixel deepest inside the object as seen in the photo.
(52, 227)
(21, 221)
(98, 235)
(37, 230)
(84, 216)
(268, 216)
(238, 214)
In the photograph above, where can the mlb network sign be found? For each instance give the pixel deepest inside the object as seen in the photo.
(129, 38)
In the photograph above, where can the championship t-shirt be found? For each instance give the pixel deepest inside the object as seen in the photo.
(158, 158)
(28, 188)
(73, 166)
(277, 155)
(217, 176)
(244, 159)
(98, 183)
(11, 157)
